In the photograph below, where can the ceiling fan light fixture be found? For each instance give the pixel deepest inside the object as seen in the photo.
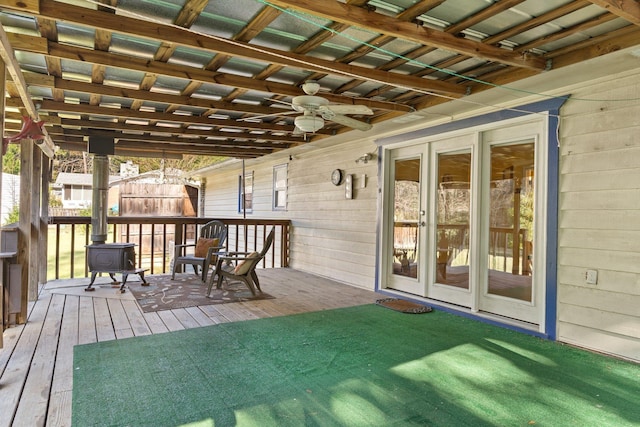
(311, 87)
(309, 123)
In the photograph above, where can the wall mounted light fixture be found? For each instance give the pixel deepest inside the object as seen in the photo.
(365, 158)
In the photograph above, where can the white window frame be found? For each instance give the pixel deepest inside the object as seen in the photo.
(245, 187)
(280, 187)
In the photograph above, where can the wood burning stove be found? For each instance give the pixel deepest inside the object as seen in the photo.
(113, 258)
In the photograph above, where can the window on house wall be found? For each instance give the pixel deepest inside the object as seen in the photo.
(245, 193)
(280, 188)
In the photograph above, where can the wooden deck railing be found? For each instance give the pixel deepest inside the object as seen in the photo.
(509, 248)
(154, 238)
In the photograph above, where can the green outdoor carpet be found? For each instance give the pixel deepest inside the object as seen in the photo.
(358, 366)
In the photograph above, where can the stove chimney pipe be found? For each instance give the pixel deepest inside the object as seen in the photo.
(100, 147)
(99, 198)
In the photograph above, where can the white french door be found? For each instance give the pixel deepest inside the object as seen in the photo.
(407, 220)
(464, 220)
(452, 217)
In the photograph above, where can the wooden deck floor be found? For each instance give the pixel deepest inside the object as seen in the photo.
(36, 362)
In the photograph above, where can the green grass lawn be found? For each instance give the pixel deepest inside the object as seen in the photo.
(64, 257)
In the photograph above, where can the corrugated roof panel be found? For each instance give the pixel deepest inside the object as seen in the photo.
(190, 57)
(585, 35)
(517, 15)
(578, 16)
(83, 97)
(133, 46)
(32, 62)
(126, 76)
(353, 37)
(454, 11)
(15, 22)
(254, 97)
(112, 100)
(40, 92)
(76, 35)
(226, 18)
(372, 60)
(77, 68)
(533, 8)
(391, 7)
(212, 91)
(556, 25)
(289, 31)
(172, 84)
(241, 10)
(278, 40)
(290, 75)
(242, 67)
(300, 24)
(158, 11)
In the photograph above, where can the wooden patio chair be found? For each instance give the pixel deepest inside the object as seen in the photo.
(244, 266)
(206, 249)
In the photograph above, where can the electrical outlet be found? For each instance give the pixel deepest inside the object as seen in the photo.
(591, 277)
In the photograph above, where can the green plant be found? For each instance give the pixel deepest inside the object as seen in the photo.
(14, 215)
(85, 211)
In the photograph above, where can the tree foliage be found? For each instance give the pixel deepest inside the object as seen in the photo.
(11, 160)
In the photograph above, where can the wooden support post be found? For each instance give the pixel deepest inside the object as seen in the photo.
(47, 164)
(34, 247)
(3, 285)
(24, 228)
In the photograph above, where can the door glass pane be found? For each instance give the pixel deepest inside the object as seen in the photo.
(454, 202)
(511, 221)
(406, 217)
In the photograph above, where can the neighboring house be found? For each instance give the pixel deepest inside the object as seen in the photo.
(506, 206)
(75, 190)
(10, 195)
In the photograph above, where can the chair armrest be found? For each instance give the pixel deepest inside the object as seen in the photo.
(215, 250)
(179, 250)
(236, 253)
(185, 245)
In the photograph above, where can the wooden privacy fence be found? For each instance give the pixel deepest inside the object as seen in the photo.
(155, 238)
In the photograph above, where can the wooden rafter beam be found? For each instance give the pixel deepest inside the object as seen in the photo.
(362, 18)
(144, 95)
(183, 37)
(626, 9)
(45, 47)
(13, 68)
(230, 140)
(127, 113)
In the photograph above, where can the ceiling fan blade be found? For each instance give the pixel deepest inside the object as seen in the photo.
(288, 104)
(349, 109)
(261, 116)
(348, 121)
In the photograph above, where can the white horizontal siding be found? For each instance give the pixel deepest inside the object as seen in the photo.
(331, 236)
(599, 214)
(599, 219)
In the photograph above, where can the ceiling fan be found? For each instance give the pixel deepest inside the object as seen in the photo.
(316, 109)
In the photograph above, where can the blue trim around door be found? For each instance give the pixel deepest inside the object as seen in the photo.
(552, 108)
